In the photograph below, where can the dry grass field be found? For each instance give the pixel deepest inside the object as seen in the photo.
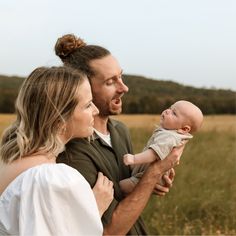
(217, 122)
(5, 120)
(202, 200)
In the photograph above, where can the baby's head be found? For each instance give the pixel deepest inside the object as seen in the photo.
(183, 116)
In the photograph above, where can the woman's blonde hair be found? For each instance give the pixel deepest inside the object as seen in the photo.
(46, 100)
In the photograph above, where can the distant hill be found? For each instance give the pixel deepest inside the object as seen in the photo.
(144, 96)
(152, 96)
(8, 91)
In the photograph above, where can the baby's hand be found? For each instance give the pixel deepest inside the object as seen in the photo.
(128, 159)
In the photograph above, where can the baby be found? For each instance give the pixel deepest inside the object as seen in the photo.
(177, 124)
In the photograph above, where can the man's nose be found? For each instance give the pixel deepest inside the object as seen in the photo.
(122, 87)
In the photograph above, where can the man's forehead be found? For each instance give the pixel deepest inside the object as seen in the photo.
(103, 75)
(106, 65)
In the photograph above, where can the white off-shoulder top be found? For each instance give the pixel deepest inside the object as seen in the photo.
(49, 199)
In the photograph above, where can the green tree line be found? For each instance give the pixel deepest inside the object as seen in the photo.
(153, 96)
(145, 95)
(9, 87)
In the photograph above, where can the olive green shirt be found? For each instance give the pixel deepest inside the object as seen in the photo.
(91, 157)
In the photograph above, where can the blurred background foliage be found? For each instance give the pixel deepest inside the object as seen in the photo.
(145, 96)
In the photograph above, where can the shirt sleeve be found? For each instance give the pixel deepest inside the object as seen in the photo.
(58, 202)
(163, 142)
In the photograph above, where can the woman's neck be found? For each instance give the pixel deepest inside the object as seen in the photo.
(100, 124)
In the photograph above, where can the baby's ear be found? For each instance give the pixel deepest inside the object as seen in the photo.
(184, 130)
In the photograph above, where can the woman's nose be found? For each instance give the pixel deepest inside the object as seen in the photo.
(95, 110)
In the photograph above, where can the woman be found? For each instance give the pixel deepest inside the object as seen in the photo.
(38, 196)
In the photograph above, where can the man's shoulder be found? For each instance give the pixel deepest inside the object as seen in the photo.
(117, 124)
(117, 127)
(73, 148)
(73, 143)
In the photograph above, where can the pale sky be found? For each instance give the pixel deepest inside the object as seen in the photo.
(192, 42)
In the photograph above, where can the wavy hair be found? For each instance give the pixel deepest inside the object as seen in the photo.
(46, 100)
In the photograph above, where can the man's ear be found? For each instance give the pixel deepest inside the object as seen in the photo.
(184, 130)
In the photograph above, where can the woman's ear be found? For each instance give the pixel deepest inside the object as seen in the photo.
(184, 130)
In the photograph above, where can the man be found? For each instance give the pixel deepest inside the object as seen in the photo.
(111, 139)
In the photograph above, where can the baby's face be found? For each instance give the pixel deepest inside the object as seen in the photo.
(174, 117)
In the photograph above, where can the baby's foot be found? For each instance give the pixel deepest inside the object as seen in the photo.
(129, 159)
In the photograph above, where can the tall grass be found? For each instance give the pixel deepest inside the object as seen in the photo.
(5, 120)
(202, 200)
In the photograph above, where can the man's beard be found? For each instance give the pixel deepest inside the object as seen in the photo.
(105, 109)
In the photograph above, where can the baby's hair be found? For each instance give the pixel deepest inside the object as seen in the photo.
(195, 117)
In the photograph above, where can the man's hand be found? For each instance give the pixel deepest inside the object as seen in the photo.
(163, 185)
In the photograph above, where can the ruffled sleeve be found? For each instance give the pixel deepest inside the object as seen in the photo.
(55, 199)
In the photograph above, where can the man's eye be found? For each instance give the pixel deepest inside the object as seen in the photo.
(110, 82)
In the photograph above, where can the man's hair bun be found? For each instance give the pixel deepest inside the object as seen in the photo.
(67, 45)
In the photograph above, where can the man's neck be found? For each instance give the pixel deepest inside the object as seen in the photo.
(100, 124)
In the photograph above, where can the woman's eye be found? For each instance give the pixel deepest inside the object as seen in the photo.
(89, 105)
